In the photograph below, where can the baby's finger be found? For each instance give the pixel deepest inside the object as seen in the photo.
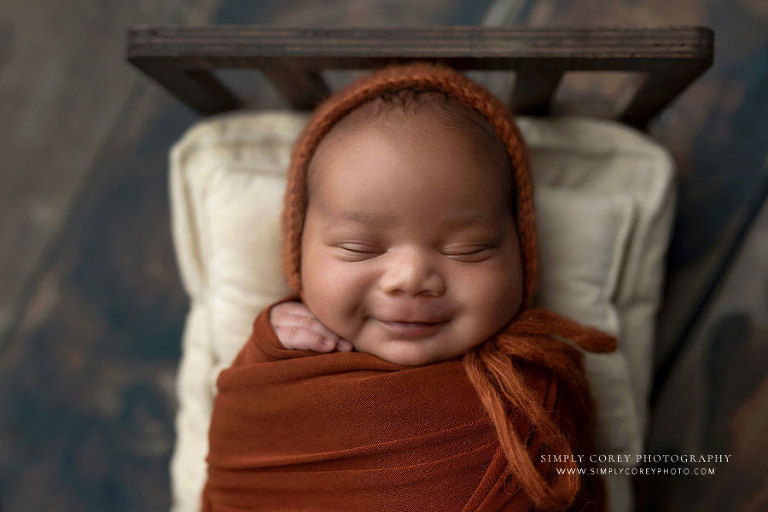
(304, 339)
(290, 308)
(305, 322)
(344, 346)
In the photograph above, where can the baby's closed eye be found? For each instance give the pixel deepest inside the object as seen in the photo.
(471, 252)
(355, 251)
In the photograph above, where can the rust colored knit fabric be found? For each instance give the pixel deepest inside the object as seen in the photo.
(294, 430)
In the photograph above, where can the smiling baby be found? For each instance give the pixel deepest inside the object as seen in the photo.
(410, 371)
(409, 247)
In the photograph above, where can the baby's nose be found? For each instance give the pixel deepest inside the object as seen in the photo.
(412, 273)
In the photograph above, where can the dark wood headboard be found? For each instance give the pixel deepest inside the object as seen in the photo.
(663, 60)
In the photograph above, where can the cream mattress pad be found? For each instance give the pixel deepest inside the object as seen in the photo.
(604, 204)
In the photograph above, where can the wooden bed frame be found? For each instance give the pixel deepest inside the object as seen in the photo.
(660, 63)
(664, 60)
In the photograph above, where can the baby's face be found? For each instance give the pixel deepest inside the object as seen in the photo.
(409, 249)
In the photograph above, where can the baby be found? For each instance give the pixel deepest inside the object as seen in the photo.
(409, 237)
(409, 248)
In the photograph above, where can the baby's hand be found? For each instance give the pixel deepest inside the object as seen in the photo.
(297, 328)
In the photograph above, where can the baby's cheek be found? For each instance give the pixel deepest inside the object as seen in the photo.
(491, 296)
(337, 297)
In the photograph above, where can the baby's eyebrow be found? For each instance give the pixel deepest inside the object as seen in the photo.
(463, 221)
(365, 218)
(458, 221)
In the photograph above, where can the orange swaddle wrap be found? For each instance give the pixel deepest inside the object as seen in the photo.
(297, 430)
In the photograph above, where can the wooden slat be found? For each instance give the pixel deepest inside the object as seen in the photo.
(494, 44)
(534, 90)
(197, 88)
(659, 87)
(294, 58)
(302, 89)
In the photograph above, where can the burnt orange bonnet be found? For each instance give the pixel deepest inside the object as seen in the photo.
(420, 76)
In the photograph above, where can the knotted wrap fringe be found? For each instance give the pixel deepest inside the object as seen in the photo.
(493, 371)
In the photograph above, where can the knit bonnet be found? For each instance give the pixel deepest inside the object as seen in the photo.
(423, 77)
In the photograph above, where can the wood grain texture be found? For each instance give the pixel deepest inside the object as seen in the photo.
(635, 45)
(672, 57)
(716, 401)
(63, 85)
(87, 383)
(90, 307)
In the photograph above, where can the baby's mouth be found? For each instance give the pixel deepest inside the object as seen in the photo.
(414, 330)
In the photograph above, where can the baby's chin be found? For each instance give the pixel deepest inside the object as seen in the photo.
(407, 352)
